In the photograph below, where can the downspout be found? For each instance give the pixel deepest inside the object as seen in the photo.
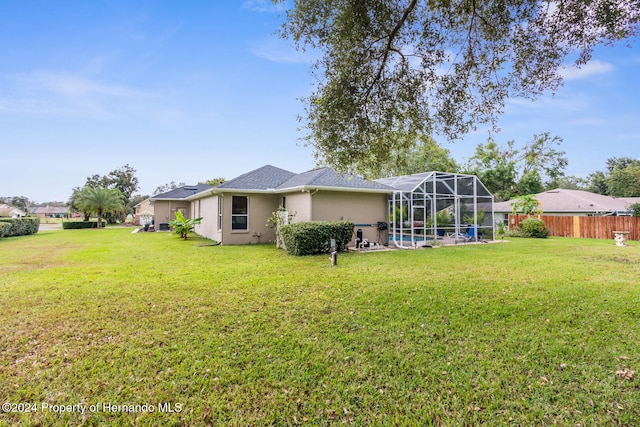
(311, 200)
(221, 215)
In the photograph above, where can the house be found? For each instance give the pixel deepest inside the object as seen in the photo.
(50, 211)
(564, 202)
(237, 211)
(10, 211)
(144, 213)
(166, 204)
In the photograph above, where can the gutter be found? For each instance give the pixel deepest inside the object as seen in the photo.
(308, 188)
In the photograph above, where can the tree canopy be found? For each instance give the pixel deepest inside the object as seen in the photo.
(622, 178)
(508, 171)
(168, 187)
(391, 71)
(123, 179)
(100, 200)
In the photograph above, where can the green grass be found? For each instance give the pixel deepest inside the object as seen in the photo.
(529, 332)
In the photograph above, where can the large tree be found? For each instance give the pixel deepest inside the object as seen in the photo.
(508, 171)
(621, 179)
(496, 167)
(122, 179)
(426, 156)
(168, 187)
(390, 70)
(100, 200)
(125, 180)
(625, 182)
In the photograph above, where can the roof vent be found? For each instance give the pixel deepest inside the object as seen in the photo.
(190, 188)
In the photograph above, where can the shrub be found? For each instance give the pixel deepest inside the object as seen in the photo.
(20, 226)
(311, 238)
(534, 227)
(4, 229)
(73, 225)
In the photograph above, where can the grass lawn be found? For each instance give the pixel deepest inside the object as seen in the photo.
(147, 329)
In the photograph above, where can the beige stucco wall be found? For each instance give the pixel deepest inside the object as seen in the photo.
(260, 208)
(359, 208)
(164, 210)
(207, 208)
(299, 205)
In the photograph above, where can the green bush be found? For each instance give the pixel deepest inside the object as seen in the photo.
(534, 227)
(311, 238)
(74, 225)
(20, 226)
(4, 229)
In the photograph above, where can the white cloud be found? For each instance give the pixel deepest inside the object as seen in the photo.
(588, 121)
(591, 68)
(63, 94)
(278, 50)
(74, 86)
(263, 6)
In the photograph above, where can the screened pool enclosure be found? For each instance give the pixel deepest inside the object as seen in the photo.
(442, 206)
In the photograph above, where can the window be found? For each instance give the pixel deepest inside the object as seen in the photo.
(239, 213)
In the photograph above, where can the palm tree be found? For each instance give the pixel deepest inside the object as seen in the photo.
(100, 200)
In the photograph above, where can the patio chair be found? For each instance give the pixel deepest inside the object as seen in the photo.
(466, 236)
(471, 233)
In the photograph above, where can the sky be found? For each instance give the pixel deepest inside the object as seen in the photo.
(190, 91)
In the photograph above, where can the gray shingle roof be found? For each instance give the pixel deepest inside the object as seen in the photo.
(264, 178)
(181, 192)
(564, 200)
(327, 177)
(273, 179)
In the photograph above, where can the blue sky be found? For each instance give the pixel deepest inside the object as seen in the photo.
(188, 91)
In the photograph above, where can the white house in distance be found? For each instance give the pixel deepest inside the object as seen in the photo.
(10, 211)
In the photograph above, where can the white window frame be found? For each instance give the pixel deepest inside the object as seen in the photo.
(246, 215)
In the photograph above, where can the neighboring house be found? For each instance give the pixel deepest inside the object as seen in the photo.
(630, 200)
(572, 203)
(237, 211)
(50, 211)
(144, 213)
(10, 211)
(166, 204)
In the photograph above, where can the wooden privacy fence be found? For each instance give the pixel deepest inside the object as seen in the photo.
(591, 227)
